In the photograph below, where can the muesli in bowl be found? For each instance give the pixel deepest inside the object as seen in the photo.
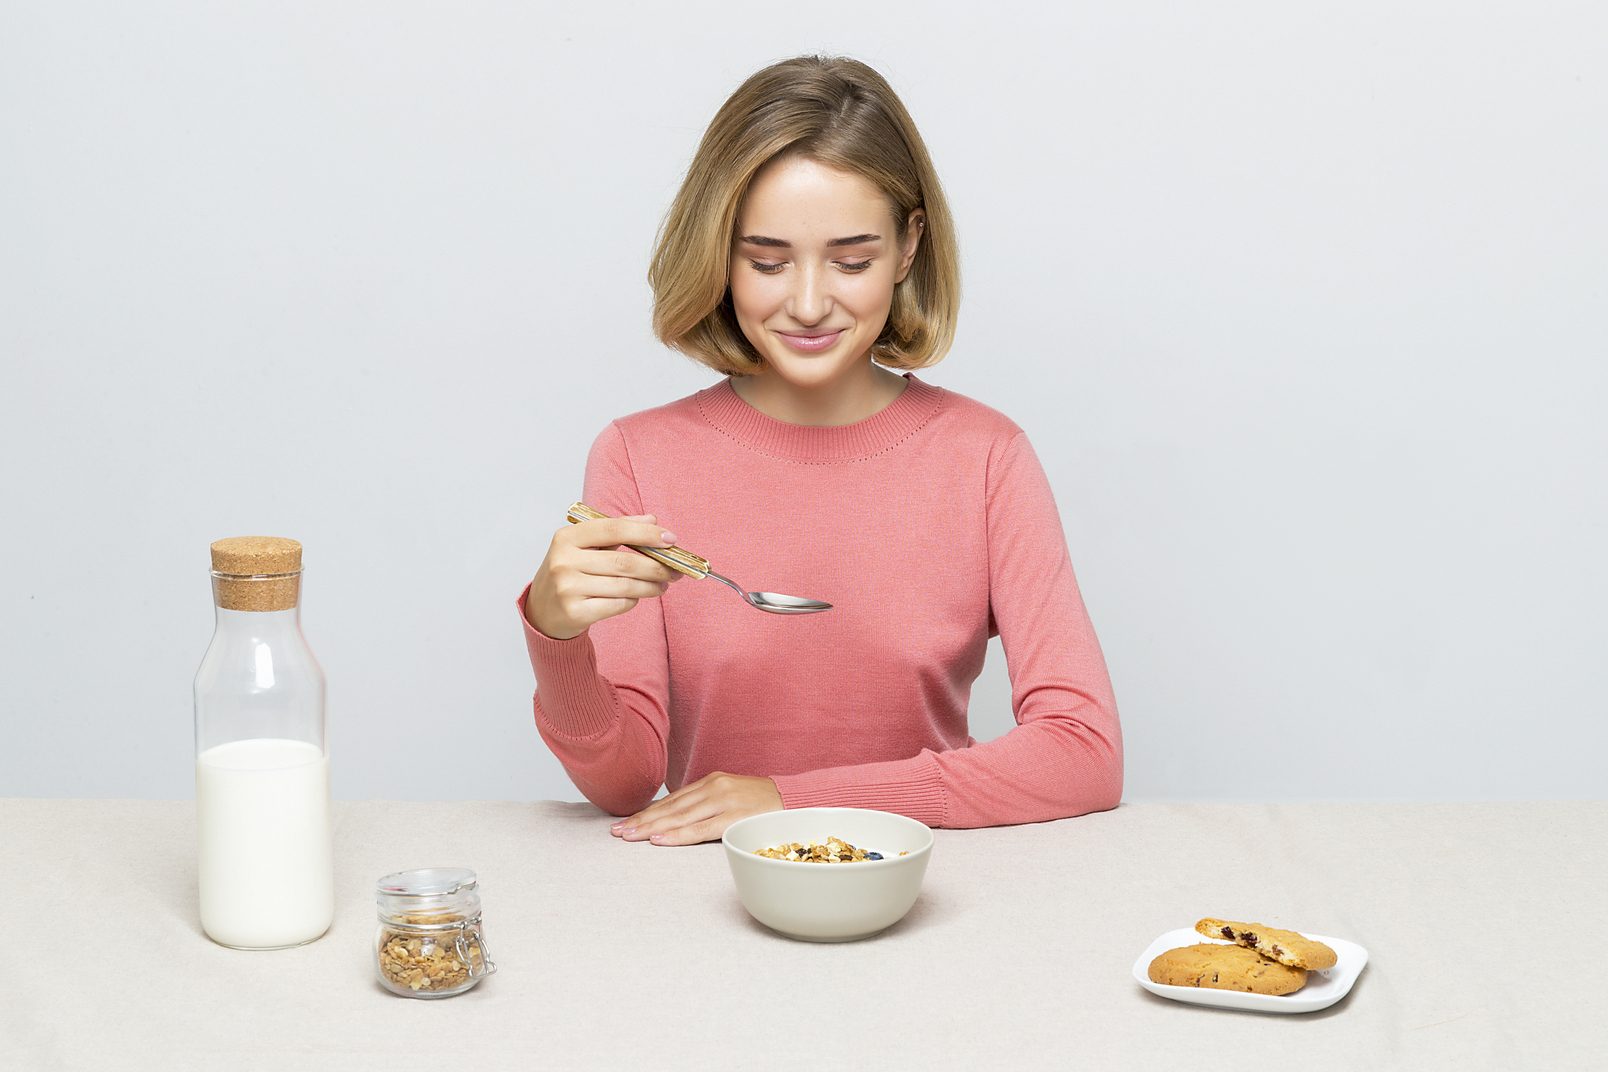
(828, 904)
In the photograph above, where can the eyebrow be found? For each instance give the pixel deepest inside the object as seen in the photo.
(852, 240)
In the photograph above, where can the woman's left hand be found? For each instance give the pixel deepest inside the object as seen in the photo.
(701, 810)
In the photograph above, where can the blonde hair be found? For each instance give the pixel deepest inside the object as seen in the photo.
(839, 113)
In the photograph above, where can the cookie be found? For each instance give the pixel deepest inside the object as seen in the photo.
(1286, 947)
(1225, 967)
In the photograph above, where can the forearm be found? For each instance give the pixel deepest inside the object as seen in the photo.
(602, 733)
(620, 766)
(1053, 767)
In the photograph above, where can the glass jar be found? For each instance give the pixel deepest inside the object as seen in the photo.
(429, 943)
(265, 864)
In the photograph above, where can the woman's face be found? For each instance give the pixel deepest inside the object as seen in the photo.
(815, 255)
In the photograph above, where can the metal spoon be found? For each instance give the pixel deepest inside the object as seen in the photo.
(685, 561)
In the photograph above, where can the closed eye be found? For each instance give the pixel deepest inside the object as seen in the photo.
(771, 269)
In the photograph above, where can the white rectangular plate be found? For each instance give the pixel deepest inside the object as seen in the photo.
(1323, 988)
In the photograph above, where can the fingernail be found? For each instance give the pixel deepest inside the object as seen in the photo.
(668, 537)
(656, 838)
(627, 830)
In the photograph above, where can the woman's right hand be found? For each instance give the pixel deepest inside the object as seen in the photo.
(587, 576)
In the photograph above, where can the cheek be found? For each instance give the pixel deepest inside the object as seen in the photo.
(748, 292)
(871, 291)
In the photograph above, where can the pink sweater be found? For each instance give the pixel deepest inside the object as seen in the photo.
(930, 527)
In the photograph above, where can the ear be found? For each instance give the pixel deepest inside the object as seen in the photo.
(915, 228)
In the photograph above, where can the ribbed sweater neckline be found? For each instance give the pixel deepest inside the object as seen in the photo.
(884, 430)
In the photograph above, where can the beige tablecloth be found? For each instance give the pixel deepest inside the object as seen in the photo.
(1017, 955)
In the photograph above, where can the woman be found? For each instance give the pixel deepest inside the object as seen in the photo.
(809, 252)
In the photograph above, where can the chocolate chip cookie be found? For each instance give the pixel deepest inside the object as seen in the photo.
(1225, 967)
(1286, 947)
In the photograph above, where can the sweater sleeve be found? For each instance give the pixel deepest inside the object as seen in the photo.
(601, 699)
(1064, 756)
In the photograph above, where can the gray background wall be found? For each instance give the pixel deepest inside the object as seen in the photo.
(1301, 306)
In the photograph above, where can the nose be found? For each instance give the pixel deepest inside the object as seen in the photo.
(809, 301)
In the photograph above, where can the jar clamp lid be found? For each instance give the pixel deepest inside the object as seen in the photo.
(428, 882)
(450, 890)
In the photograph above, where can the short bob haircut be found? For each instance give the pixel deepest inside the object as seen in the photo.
(841, 114)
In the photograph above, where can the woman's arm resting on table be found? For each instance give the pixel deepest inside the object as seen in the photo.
(1052, 768)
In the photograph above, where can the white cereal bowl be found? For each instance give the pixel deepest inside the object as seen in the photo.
(828, 902)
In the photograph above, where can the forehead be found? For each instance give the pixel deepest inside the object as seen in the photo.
(801, 201)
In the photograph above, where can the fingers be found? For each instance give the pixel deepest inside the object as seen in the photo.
(665, 814)
(695, 833)
(588, 586)
(705, 818)
(589, 574)
(701, 810)
(595, 610)
(623, 564)
(613, 531)
(673, 823)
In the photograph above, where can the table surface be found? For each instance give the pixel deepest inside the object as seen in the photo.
(1017, 955)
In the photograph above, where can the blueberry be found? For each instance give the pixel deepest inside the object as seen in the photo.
(873, 856)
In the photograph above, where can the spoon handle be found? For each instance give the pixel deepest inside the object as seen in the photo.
(677, 558)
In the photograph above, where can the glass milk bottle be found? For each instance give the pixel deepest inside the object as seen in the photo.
(261, 765)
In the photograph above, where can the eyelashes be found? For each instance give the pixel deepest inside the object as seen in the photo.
(771, 269)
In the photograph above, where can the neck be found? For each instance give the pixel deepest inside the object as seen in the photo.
(848, 400)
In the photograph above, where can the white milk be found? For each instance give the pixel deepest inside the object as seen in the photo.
(262, 810)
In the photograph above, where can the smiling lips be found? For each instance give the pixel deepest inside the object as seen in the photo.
(812, 342)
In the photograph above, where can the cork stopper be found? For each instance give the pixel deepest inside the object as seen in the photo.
(260, 573)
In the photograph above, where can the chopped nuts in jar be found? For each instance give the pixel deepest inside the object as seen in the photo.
(430, 943)
(832, 851)
(429, 961)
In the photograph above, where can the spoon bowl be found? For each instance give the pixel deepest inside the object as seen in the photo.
(774, 602)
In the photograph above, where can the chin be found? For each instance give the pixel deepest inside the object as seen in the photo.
(809, 368)
(805, 372)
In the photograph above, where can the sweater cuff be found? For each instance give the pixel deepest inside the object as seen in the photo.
(913, 787)
(569, 699)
